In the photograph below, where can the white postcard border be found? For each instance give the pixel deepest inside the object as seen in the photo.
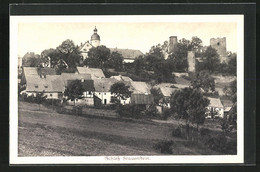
(176, 159)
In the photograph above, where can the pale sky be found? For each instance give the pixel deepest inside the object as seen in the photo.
(36, 37)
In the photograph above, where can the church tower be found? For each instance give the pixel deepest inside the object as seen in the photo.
(95, 38)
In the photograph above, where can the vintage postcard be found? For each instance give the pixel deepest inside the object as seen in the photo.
(150, 89)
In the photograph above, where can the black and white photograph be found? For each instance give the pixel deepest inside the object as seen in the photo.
(126, 89)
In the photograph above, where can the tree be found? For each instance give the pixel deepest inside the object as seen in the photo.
(179, 57)
(189, 105)
(232, 64)
(120, 90)
(196, 43)
(163, 72)
(151, 60)
(203, 80)
(92, 62)
(101, 55)
(157, 95)
(51, 56)
(64, 57)
(115, 61)
(69, 53)
(74, 90)
(138, 65)
(211, 59)
(31, 60)
(39, 98)
(231, 90)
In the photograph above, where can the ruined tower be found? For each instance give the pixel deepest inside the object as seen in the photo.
(191, 61)
(220, 45)
(172, 43)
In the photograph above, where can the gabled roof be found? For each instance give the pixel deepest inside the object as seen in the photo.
(46, 71)
(104, 84)
(180, 86)
(140, 87)
(52, 83)
(127, 53)
(164, 85)
(142, 99)
(215, 102)
(227, 103)
(74, 76)
(182, 81)
(167, 91)
(30, 71)
(94, 72)
(121, 78)
(86, 45)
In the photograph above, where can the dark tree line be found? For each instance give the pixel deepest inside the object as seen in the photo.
(102, 57)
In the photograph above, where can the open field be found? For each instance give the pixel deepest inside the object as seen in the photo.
(47, 133)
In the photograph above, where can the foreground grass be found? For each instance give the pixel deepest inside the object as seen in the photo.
(47, 133)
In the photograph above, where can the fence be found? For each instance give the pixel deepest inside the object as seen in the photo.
(82, 111)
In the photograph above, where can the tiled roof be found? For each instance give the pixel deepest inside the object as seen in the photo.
(140, 87)
(227, 103)
(167, 91)
(180, 86)
(94, 72)
(182, 81)
(164, 85)
(72, 76)
(30, 71)
(141, 99)
(121, 78)
(215, 102)
(127, 53)
(52, 83)
(104, 84)
(46, 71)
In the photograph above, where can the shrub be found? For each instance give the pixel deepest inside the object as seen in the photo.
(221, 144)
(204, 131)
(166, 114)
(130, 111)
(177, 132)
(164, 146)
(54, 102)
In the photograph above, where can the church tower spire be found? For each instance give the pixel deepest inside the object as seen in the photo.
(95, 38)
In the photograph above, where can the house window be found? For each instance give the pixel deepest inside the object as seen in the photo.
(36, 86)
(104, 93)
(218, 43)
(99, 93)
(46, 86)
(51, 95)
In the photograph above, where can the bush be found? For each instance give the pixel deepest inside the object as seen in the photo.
(166, 114)
(130, 111)
(177, 132)
(221, 144)
(204, 132)
(164, 146)
(54, 102)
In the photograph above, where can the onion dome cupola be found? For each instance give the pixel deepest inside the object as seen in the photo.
(95, 36)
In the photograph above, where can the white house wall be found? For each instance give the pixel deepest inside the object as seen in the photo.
(104, 96)
(49, 95)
